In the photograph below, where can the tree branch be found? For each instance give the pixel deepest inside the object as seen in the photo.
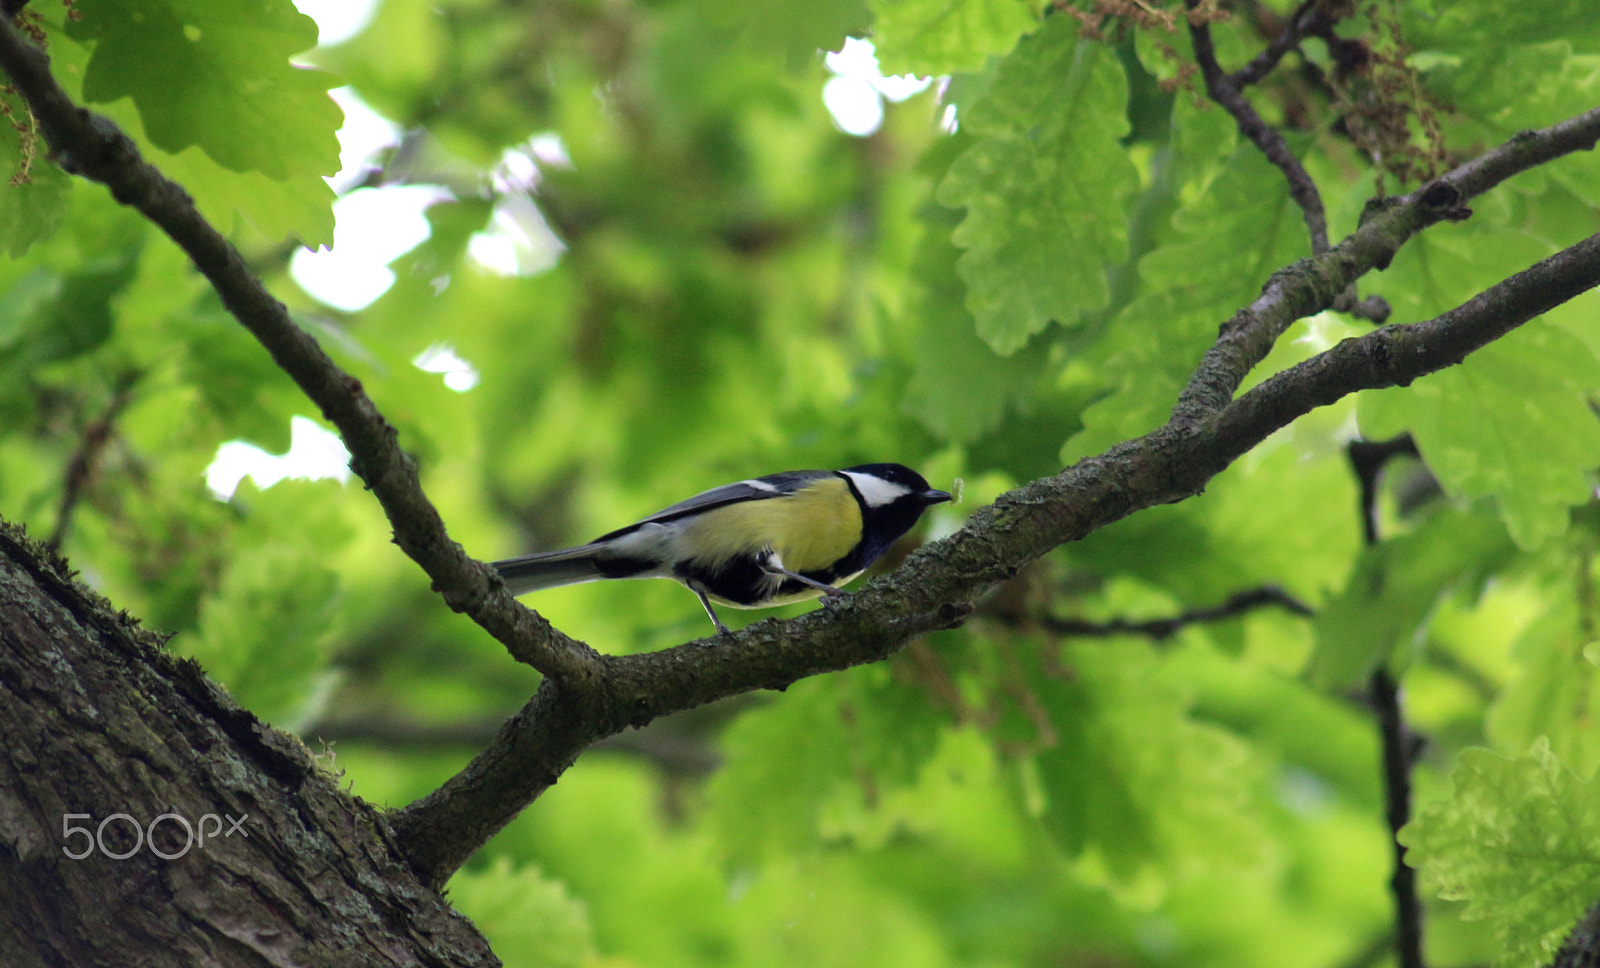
(1312, 285)
(1367, 458)
(1307, 20)
(90, 145)
(1162, 629)
(1225, 92)
(1396, 355)
(100, 721)
(1400, 745)
(1399, 751)
(80, 467)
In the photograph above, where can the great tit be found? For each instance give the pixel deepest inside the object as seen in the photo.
(753, 544)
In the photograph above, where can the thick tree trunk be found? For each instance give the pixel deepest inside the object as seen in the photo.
(146, 819)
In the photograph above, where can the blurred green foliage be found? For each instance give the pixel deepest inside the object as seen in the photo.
(739, 288)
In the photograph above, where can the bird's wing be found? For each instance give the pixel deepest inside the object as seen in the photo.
(754, 489)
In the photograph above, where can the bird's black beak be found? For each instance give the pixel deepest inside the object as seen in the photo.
(931, 497)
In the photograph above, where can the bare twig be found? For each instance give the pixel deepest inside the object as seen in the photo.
(81, 466)
(1399, 751)
(1367, 459)
(1162, 629)
(1306, 21)
(1309, 19)
(1400, 745)
(1225, 92)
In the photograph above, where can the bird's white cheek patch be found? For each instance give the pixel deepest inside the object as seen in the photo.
(876, 491)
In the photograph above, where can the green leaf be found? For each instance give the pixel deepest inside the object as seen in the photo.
(795, 31)
(236, 378)
(768, 797)
(53, 314)
(771, 796)
(32, 190)
(1393, 590)
(1242, 226)
(1555, 692)
(1123, 743)
(299, 207)
(217, 75)
(1519, 842)
(1242, 532)
(529, 919)
(960, 387)
(1513, 422)
(1044, 186)
(935, 37)
(1480, 26)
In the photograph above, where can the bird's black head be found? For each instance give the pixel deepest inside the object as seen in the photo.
(893, 497)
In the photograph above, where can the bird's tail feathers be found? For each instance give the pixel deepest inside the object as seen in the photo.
(547, 569)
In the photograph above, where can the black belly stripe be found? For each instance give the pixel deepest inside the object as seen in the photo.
(743, 582)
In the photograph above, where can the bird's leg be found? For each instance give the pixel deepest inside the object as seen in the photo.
(828, 591)
(721, 629)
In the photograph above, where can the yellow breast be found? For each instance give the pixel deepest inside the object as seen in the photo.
(810, 529)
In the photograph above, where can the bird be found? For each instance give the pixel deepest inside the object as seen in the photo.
(755, 543)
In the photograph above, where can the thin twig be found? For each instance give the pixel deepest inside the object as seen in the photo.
(1399, 752)
(81, 466)
(1306, 21)
(1367, 459)
(1225, 92)
(1162, 629)
(1400, 746)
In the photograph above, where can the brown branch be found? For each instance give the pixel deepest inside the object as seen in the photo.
(81, 466)
(90, 145)
(1225, 92)
(1312, 285)
(1400, 748)
(1396, 355)
(1307, 20)
(1367, 458)
(1162, 629)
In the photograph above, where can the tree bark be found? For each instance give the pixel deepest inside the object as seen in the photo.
(226, 844)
